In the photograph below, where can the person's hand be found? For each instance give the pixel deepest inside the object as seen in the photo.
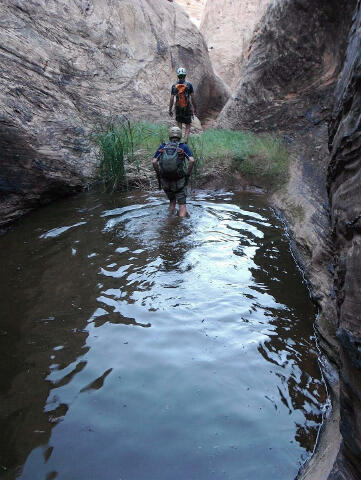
(170, 113)
(159, 181)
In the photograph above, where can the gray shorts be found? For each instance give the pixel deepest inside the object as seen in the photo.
(175, 190)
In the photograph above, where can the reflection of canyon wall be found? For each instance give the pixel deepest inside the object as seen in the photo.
(29, 408)
(228, 27)
(64, 63)
(295, 62)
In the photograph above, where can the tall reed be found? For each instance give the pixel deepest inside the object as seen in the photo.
(115, 139)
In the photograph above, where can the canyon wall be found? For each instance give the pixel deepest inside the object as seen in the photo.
(293, 62)
(227, 27)
(344, 185)
(194, 8)
(64, 64)
(296, 64)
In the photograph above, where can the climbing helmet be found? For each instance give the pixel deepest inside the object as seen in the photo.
(181, 72)
(175, 132)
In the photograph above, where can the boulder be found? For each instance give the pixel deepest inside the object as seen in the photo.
(227, 27)
(65, 64)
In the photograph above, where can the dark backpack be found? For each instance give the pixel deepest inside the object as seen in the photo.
(171, 161)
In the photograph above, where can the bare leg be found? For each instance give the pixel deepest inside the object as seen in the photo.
(186, 136)
(172, 205)
(183, 210)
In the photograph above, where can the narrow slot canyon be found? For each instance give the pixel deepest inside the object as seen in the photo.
(138, 345)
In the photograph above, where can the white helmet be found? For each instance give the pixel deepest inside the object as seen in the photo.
(175, 132)
(181, 71)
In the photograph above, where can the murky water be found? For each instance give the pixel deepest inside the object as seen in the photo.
(135, 345)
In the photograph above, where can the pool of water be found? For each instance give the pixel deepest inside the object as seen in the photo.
(135, 345)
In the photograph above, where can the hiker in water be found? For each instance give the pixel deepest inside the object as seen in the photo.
(185, 105)
(169, 163)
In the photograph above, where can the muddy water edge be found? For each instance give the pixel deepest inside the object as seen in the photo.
(135, 345)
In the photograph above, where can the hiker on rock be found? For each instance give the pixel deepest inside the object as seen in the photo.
(169, 163)
(185, 105)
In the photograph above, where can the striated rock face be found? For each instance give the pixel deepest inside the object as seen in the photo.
(344, 183)
(65, 63)
(228, 27)
(293, 61)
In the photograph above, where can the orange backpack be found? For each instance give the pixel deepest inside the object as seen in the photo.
(182, 95)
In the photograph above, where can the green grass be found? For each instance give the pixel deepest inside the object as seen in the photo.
(255, 157)
(125, 150)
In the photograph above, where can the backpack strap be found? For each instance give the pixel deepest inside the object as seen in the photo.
(181, 150)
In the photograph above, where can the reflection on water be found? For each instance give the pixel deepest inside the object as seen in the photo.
(135, 345)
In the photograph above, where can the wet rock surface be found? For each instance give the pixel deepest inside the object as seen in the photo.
(64, 64)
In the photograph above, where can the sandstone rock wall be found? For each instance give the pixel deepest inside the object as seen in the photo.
(194, 8)
(66, 62)
(344, 184)
(293, 63)
(228, 27)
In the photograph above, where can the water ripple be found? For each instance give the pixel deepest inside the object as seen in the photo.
(154, 347)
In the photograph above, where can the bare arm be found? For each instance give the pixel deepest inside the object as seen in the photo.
(157, 171)
(171, 101)
(155, 165)
(190, 166)
(194, 104)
